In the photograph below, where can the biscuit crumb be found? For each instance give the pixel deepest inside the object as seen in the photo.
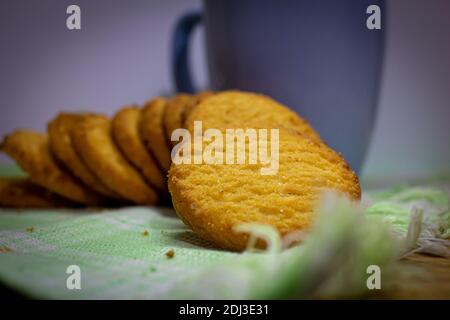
(30, 229)
(5, 249)
(170, 254)
(145, 233)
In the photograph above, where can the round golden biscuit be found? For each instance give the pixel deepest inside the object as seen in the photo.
(125, 130)
(93, 142)
(236, 109)
(21, 193)
(178, 109)
(153, 132)
(31, 151)
(199, 98)
(202, 96)
(175, 112)
(212, 199)
(61, 146)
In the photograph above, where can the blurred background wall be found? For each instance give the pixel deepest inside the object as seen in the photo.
(412, 133)
(122, 56)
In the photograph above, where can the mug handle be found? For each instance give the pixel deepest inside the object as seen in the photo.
(180, 51)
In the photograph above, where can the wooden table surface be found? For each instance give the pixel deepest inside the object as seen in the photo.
(429, 278)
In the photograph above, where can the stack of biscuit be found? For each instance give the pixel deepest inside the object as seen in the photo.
(92, 160)
(88, 159)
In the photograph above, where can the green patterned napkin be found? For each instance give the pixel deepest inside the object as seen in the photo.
(127, 253)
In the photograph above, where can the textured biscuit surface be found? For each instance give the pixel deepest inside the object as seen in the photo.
(23, 194)
(61, 146)
(93, 142)
(125, 130)
(175, 112)
(214, 198)
(199, 98)
(178, 109)
(202, 96)
(153, 132)
(31, 152)
(235, 109)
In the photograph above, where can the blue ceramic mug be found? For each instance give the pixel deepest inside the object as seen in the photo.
(317, 57)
